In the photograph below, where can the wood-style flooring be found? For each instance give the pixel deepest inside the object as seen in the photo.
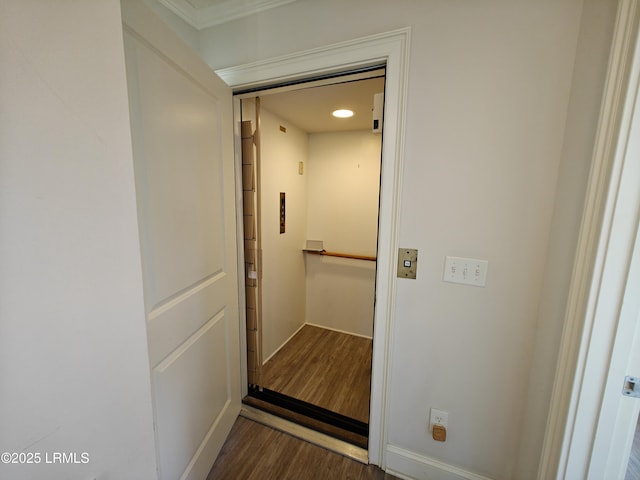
(633, 468)
(328, 369)
(256, 452)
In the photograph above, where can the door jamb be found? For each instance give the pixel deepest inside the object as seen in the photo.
(597, 286)
(392, 48)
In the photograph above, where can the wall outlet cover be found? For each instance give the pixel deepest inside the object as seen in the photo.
(438, 417)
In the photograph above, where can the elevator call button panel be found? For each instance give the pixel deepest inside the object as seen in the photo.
(407, 262)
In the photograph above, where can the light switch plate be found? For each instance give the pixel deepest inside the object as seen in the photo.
(407, 262)
(467, 271)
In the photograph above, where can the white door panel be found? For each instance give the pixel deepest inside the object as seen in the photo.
(182, 140)
(169, 324)
(190, 398)
(181, 213)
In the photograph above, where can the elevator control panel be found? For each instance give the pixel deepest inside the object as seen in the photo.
(283, 221)
(407, 262)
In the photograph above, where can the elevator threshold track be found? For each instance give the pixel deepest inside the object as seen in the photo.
(310, 416)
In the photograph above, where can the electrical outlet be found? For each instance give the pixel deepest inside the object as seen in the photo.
(438, 417)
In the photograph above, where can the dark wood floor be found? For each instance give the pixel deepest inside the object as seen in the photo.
(633, 468)
(328, 369)
(256, 452)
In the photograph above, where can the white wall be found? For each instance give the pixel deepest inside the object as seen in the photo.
(74, 373)
(489, 90)
(344, 185)
(283, 261)
(344, 177)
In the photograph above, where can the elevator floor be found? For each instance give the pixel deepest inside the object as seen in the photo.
(328, 369)
(320, 379)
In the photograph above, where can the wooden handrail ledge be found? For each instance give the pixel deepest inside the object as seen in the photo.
(342, 255)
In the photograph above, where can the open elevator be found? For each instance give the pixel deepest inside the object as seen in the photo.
(310, 188)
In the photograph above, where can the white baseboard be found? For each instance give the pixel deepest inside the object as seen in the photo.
(413, 466)
(339, 331)
(311, 325)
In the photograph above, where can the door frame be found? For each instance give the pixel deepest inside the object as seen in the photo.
(391, 48)
(598, 337)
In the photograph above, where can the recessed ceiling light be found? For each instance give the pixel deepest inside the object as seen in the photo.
(343, 113)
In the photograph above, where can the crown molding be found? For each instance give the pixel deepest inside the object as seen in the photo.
(219, 13)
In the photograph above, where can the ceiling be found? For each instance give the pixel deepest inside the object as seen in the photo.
(206, 13)
(310, 108)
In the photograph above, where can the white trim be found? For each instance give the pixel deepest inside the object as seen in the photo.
(574, 404)
(311, 325)
(618, 303)
(339, 331)
(416, 466)
(183, 10)
(308, 435)
(338, 57)
(220, 12)
(618, 414)
(393, 49)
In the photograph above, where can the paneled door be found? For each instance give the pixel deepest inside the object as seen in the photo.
(181, 116)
